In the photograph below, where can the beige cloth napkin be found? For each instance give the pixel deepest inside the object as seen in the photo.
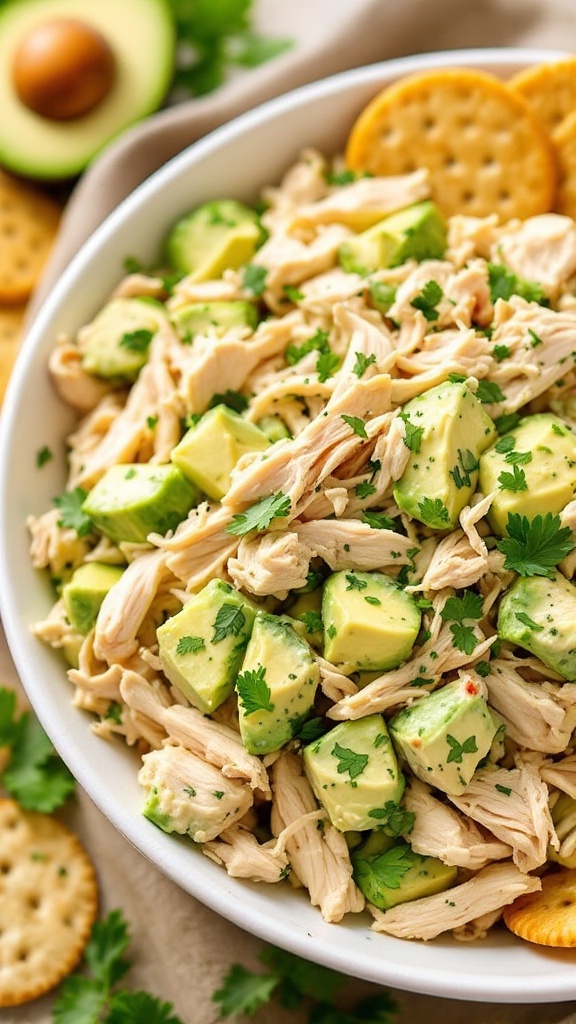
(181, 949)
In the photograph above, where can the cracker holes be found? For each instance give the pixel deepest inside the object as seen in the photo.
(5, 868)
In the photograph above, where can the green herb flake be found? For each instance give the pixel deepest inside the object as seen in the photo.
(260, 515)
(428, 299)
(136, 341)
(500, 352)
(253, 691)
(536, 340)
(234, 400)
(372, 600)
(518, 458)
(317, 343)
(356, 424)
(488, 392)
(326, 365)
(412, 434)
(393, 819)
(515, 481)
(362, 363)
(190, 645)
(382, 295)
(354, 583)
(506, 422)
(457, 750)
(292, 293)
(467, 464)
(379, 521)
(230, 621)
(525, 619)
(349, 761)
(434, 512)
(505, 444)
(254, 279)
(43, 455)
(503, 789)
(312, 621)
(534, 547)
(71, 515)
(364, 489)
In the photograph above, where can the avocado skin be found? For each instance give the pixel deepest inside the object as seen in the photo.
(551, 605)
(421, 876)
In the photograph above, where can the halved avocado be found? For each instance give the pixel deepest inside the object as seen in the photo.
(141, 36)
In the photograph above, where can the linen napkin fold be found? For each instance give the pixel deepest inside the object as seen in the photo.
(180, 949)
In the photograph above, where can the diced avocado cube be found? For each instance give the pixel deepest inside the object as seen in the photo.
(214, 318)
(307, 609)
(399, 875)
(274, 428)
(201, 647)
(416, 233)
(130, 501)
(208, 452)
(538, 459)
(446, 430)
(370, 622)
(540, 614)
(216, 236)
(444, 737)
(277, 685)
(115, 344)
(85, 591)
(354, 773)
(564, 818)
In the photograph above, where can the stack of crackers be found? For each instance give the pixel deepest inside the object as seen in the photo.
(490, 146)
(28, 224)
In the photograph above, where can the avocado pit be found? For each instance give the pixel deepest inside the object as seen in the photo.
(63, 69)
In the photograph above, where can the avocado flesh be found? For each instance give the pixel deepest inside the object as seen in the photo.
(370, 623)
(354, 773)
(415, 876)
(416, 233)
(216, 236)
(550, 605)
(309, 605)
(564, 818)
(116, 343)
(444, 737)
(220, 621)
(142, 37)
(131, 501)
(213, 318)
(291, 675)
(208, 452)
(442, 470)
(550, 474)
(85, 591)
(274, 428)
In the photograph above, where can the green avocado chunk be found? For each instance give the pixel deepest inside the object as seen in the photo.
(446, 430)
(85, 591)
(540, 614)
(370, 622)
(141, 37)
(274, 428)
(277, 685)
(208, 452)
(444, 737)
(307, 609)
(564, 818)
(130, 501)
(532, 469)
(213, 318)
(399, 875)
(354, 773)
(416, 233)
(201, 647)
(216, 236)
(115, 344)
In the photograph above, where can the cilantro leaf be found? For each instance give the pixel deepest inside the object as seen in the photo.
(43, 455)
(500, 352)
(254, 691)
(428, 300)
(254, 279)
(235, 400)
(535, 338)
(312, 621)
(488, 392)
(506, 422)
(356, 424)
(253, 50)
(326, 365)
(317, 343)
(434, 513)
(457, 749)
(393, 819)
(518, 458)
(364, 489)
(349, 761)
(190, 644)
(505, 444)
(527, 621)
(467, 463)
(260, 515)
(305, 978)
(311, 730)
(136, 1007)
(71, 514)
(354, 583)
(378, 1009)
(387, 869)
(382, 295)
(136, 341)
(230, 621)
(514, 481)
(534, 547)
(104, 953)
(458, 609)
(292, 292)
(362, 363)
(35, 776)
(463, 637)
(244, 991)
(79, 1001)
(380, 521)
(504, 283)
(412, 434)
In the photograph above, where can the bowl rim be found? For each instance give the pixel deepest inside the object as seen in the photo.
(410, 976)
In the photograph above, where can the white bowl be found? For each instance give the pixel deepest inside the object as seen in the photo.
(236, 160)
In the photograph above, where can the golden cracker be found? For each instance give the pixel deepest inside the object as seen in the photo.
(550, 89)
(48, 903)
(11, 323)
(28, 224)
(547, 917)
(485, 150)
(564, 139)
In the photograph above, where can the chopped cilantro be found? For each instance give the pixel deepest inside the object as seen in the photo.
(505, 444)
(356, 424)
(488, 392)
(43, 455)
(518, 458)
(457, 750)
(504, 283)
(372, 600)
(71, 515)
(506, 422)
(527, 621)
(412, 434)
(502, 789)
(312, 621)
(382, 295)
(536, 340)
(253, 691)
(317, 343)
(349, 761)
(230, 621)
(428, 300)
(514, 481)
(190, 645)
(234, 400)
(292, 293)
(260, 515)
(434, 512)
(380, 521)
(354, 583)
(35, 776)
(392, 819)
(362, 363)
(364, 489)
(534, 547)
(326, 365)
(459, 611)
(136, 341)
(254, 279)
(467, 463)
(500, 352)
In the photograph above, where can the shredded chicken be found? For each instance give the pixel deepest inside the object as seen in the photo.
(125, 606)
(274, 563)
(243, 856)
(535, 716)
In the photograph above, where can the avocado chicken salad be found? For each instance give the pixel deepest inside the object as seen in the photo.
(315, 554)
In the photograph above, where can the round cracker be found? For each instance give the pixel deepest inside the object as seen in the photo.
(550, 89)
(547, 917)
(565, 144)
(484, 148)
(11, 323)
(48, 903)
(28, 223)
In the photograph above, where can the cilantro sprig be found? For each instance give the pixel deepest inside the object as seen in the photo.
(534, 547)
(260, 515)
(253, 691)
(71, 514)
(460, 611)
(428, 300)
(35, 775)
